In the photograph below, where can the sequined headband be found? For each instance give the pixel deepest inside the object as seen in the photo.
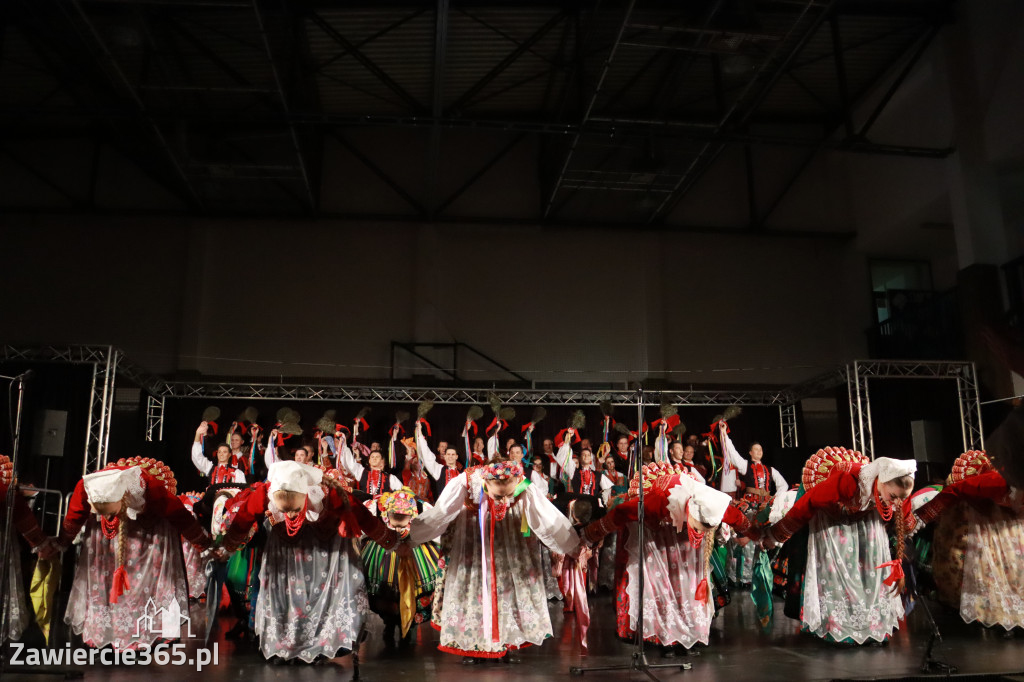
(502, 470)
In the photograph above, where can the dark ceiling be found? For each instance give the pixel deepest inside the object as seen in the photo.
(230, 105)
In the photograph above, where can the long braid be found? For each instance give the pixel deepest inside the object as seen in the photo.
(709, 546)
(900, 534)
(122, 542)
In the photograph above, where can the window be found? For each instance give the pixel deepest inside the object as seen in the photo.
(897, 285)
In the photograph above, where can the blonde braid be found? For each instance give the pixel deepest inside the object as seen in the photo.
(709, 546)
(122, 543)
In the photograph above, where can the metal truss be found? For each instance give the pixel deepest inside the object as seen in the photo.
(104, 361)
(859, 372)
(789, 437)
(155, 417)
(463, 396)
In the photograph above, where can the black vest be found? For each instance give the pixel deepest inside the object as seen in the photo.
(577, 485)
(385, 482)
(437, 485)
(750, 478)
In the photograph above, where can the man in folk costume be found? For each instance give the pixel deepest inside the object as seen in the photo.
(373, 480)
(312, 596)
(276, 451)
(760, 485)
(131, 563)
(978, 554)
(584, 479)
(852, 583)
(225, 470)
(497, 522)
(440, 474)
(681, 515)
(24, 523)
(401, 588)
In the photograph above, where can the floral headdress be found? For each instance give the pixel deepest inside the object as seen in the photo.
(501, 471)
(401, 501)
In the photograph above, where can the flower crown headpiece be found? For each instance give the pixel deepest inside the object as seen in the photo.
(500, 471)
(398, 502)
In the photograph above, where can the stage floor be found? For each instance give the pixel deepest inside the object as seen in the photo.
(736, 653)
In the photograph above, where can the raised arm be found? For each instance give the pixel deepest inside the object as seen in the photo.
(426, 455)
(735, 458)
(989, 486)
(270, 453)
(201, 461)
(348, 461)
(564, 454)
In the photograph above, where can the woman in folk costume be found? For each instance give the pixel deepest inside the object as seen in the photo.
(852, 583)
(16, 611)
(131, 563)
(312, 597)
(225, 470)
(978, 553)
(401, 588)
(239, 574)
(760, 485)
(680, 517)
(497, 522)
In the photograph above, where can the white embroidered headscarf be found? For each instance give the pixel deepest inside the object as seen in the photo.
(293, 477)
(707, 505)
(111, 485)
(883, 469)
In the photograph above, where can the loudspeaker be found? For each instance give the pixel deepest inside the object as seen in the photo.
(48, 435)
(928, 445)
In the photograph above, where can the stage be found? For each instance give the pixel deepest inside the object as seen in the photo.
(736, 653)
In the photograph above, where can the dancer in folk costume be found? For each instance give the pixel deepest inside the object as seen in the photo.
(373, 480)
(979, 543)
(312, 597)
(760, 485)
(852, 583)
(440, 474)
(583, 479)
(681, 515)
(401, 587)
(497, 522)
(23, 522)
(131, 562)
(225, 470)
(195, 562)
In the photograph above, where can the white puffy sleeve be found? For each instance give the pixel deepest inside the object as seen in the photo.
(433, 522)
(550, 525)
(427, 458)
(780, 483)
(199, 459)
(735, 458)
(564, 458)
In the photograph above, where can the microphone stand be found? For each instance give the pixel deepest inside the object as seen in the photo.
(8, 518)
(930, 664)
(638, 659)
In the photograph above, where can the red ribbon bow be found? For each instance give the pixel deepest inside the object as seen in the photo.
(895, 574)
(471, 425)
(500, 423)
(670, 423)
(213, 425)
(560, 437)
(702, 591)
(120, 585)
(425, 423)
(362, 422)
